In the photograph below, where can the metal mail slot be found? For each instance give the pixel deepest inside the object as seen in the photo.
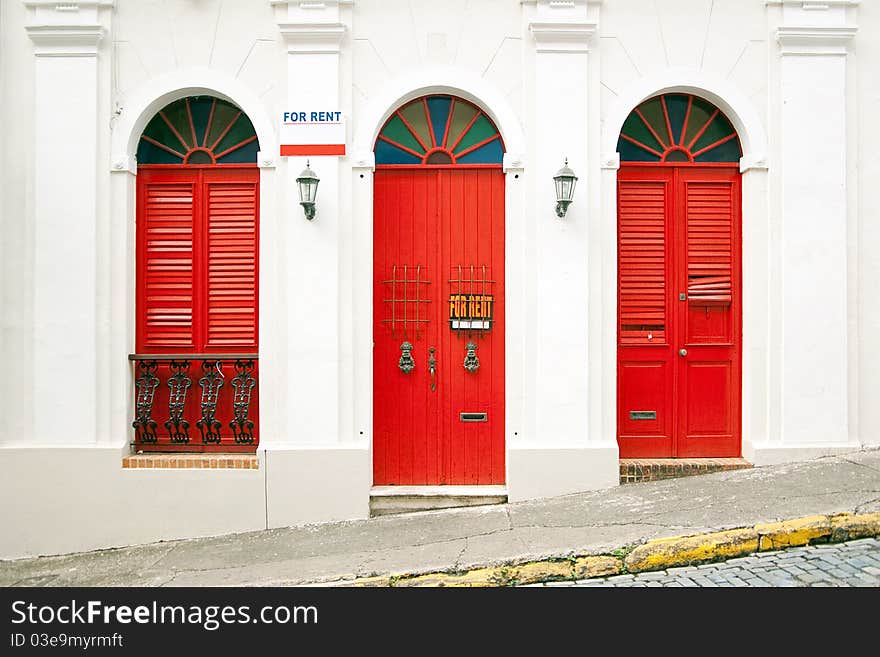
(643, 415)
(473, 417)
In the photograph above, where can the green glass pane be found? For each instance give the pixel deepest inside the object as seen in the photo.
(701, 111)
(462, 114)
(157, 129)
(199, 157)
(224, 113)
(677, 156)
(481, 129)
(634, 127)
(629, 152)
(241, 130)
(718, 129)
(652, 110)
(396, 131)
(414, 113)
(147, 153)
(177, 114)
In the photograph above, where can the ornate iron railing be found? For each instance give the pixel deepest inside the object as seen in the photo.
(223, 405)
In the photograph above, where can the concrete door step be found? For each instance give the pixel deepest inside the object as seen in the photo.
(387, 500)
(636, 470)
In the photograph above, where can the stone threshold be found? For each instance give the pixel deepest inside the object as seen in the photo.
(638, 470)
(388, 500)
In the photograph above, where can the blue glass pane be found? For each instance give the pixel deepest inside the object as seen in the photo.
(726, 152)
(200, 107)
(147, 153)
(438, 106)
(388, 154)
(629, 152)
(247, 154)
(676, 106)
(491, 153)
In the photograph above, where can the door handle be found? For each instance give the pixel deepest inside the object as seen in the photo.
(432, 367)
(682, 352)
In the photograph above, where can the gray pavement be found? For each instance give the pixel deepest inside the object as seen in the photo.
(584, 523)
(854, 563)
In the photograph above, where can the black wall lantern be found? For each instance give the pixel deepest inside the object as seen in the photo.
(564, 180)
(307, 182)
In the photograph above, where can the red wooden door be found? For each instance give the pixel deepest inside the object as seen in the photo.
(438, 242)
(679, 312)
(197, 281)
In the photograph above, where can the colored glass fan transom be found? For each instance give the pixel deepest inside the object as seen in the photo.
(439, 130)
(678, 128)
(199, 130)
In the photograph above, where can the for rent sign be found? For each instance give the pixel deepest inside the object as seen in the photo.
(311, 131)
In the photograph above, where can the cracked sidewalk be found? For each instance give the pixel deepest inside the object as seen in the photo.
(589, 523)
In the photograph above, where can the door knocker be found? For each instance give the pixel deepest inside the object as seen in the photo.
(471, 362)
(406, 362)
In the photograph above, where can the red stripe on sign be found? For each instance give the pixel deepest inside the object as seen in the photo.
(313, 149)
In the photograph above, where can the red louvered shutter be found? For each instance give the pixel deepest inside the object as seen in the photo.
(231, 286)
(642, 264)
(709, 228)
(709, 376)
(644, 362)
(678, 355)
(197, 260)
(167, 264)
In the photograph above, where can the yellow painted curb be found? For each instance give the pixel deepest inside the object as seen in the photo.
(653, 555)
(847, 526)
(789, 533)
(540, 571)
(668, 552)
(584, 567)
(477, 577)
(369, 582)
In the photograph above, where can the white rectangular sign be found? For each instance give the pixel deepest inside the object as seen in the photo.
(312, 132)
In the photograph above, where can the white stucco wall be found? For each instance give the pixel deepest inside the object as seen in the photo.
(864, 166)
(558, 80)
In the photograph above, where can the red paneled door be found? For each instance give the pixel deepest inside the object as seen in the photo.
(679, 311)
(438, 254)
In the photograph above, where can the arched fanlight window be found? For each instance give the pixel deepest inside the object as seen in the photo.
(678, 128)
(439, 130)
(199, 130)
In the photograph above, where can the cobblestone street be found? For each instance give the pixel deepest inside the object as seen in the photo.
(855, 563)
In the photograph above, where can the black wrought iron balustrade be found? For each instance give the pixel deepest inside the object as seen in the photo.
(204, 402)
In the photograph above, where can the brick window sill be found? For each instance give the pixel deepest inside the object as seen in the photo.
(191, 462)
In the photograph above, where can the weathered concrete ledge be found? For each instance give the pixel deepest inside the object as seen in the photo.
(657, 554)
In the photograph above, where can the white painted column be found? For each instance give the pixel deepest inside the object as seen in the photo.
(760, 399)
(361, 236)
(813, 42)
(65, 328)
(313, 33)
(274, 360)
(603, 310)
(563, 449)
(562, 39)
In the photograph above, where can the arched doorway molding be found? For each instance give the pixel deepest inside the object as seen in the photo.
(440, 80)
(759, 372)
(732, 102)
(142, 104)
(133, 112)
